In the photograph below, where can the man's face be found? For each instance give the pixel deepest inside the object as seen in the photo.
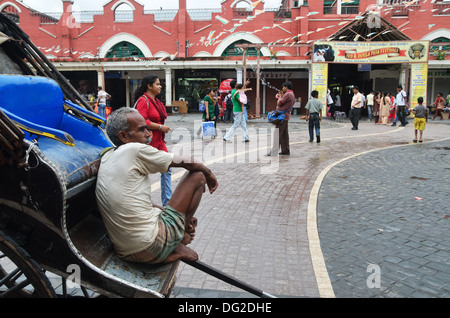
(355, 91)
(83, 86)
(137, 131)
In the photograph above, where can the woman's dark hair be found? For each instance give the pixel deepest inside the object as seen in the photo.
(147, 80)
(233, 84)
(207, 91)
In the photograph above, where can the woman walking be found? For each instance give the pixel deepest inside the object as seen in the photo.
(376, 107)
(439, 105)
(210, 109)
(385, 106)
(155, 115)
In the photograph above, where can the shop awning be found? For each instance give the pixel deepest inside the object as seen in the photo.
(363, 29)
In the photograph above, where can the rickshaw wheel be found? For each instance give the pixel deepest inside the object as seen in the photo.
(20, 275)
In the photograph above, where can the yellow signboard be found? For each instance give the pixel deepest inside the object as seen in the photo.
(319, 83)
(371, 52)
(419, 76)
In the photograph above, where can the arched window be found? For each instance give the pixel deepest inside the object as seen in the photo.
(242, 9)
(12, 13)
(436, 46)
(232, 50)
(123, 13)
(124, 49)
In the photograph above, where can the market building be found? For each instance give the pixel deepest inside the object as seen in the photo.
(191, 50)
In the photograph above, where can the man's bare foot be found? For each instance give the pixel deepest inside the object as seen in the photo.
(188, 238)
(182, 252)
(189, 234)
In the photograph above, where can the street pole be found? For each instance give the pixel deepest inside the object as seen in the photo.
(258, 75)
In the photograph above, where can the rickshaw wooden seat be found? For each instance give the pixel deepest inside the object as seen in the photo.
(91, 239)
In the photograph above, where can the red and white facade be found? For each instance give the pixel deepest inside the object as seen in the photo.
(185, 46)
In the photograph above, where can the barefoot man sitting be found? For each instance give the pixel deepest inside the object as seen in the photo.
(139, 230)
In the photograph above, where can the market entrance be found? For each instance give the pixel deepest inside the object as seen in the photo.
(377, 77)
(372, 54)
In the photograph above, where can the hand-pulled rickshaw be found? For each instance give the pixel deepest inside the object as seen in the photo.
(50, 146)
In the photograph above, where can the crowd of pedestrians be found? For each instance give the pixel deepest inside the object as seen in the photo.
(383, 108)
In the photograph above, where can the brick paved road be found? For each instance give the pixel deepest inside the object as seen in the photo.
(389, 208)
(255, 227)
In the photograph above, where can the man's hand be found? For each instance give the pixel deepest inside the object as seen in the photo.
(211, 181)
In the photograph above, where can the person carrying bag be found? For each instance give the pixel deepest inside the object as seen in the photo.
(280, 118)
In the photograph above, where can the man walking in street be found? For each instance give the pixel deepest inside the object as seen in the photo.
(330, 104)
(314, 116)
(369, 105)
(239, 113)
(401, 99)
(355, 111)
(102, 98)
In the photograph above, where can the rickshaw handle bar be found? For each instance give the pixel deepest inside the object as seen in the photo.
(228, 279)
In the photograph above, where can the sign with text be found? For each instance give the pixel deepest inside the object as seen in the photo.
(419, 77)
(371, 52)
(320, 83)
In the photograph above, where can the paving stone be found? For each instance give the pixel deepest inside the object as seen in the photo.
(366, 210)
(416, 264)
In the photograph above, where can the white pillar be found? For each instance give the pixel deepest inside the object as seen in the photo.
(128, 95)
(239, 75)
(100, 79)
(264, 99)
(310, 81)
(402, 79)
(339, 6)
(168, 73)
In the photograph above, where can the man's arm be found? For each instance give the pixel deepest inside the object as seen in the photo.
(307, 106)
(192, 166)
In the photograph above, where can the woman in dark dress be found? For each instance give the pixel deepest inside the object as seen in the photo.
(376, 107)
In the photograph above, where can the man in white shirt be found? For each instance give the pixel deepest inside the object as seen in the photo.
(139, 230)
(355, 110)
(401, 100)
(330, 103)
(102, 97)
(369, 105)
